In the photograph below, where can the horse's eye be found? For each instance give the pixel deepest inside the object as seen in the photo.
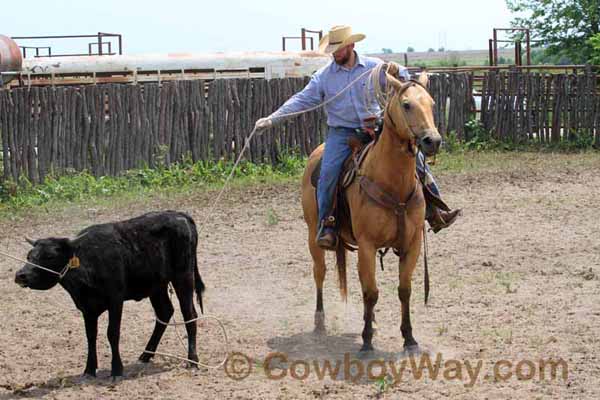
(406, 105)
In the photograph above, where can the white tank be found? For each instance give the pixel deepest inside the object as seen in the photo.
(272, 64)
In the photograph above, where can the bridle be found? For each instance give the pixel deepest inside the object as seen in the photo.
(414, 140)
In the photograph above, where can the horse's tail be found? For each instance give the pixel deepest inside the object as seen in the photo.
(340, 260)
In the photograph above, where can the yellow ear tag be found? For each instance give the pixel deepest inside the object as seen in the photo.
(74, 262)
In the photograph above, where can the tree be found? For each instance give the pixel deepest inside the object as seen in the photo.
(386, 51)
(564, 27)
(441, 49)
(430, 50)
(410, 49)
(594, 41)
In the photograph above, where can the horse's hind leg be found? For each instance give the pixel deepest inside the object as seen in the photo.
(406, 268)
(319, 269)
(366, 273)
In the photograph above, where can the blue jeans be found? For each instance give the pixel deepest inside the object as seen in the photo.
(335, 153)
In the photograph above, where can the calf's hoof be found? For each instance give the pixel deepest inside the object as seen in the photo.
(366, 347)
(146, 357)
(116, 379)
(117, 372)
(86, 376)
(193, 363)
(412, 349)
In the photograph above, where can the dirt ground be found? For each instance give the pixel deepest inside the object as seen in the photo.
(516, 280)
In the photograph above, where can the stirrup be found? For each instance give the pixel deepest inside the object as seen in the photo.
(444, 224)
(327, 240)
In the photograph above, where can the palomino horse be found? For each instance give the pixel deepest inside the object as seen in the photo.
(387, 172)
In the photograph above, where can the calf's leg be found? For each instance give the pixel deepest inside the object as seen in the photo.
(113, 332)
(184, 288)
(91, 331)
(164, 311)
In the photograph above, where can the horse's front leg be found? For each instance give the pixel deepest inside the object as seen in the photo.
(368, 282)
(406, 268)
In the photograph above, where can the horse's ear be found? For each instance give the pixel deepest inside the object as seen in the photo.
(423, 78)
(396, 84)
(392, 68)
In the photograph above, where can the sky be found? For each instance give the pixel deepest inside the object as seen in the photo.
(168, 26)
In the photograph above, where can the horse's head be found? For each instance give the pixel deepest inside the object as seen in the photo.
(410, 112)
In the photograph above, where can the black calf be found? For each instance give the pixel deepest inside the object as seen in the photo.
(128, 260)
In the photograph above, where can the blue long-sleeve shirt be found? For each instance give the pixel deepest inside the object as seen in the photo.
(349, 109)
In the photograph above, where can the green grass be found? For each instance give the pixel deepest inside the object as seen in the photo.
(80, 188)
(192, 178)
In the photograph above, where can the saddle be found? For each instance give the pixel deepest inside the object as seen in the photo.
(340, 208)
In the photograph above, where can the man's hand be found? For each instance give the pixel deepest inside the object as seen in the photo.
(263, 124)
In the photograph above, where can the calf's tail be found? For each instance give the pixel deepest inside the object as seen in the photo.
(198, 283)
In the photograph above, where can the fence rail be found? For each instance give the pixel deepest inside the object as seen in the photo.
(107, 129)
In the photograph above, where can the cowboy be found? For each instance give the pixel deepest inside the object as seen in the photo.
(350, 114)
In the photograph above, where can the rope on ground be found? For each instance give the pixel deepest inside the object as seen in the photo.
(175, 324)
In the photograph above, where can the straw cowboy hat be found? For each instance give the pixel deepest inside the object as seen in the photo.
(338, 37)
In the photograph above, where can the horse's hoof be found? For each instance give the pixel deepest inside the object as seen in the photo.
(319, 330)
(115, 380)
(145, 357)
(366, 347)
(319, 322)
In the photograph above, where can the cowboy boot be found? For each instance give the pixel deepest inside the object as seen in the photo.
(327, 235)
(442, 219)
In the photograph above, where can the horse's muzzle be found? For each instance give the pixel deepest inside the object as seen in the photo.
(430, 142)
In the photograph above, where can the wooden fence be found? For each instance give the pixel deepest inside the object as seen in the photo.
(525, 107)
(107, 129)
